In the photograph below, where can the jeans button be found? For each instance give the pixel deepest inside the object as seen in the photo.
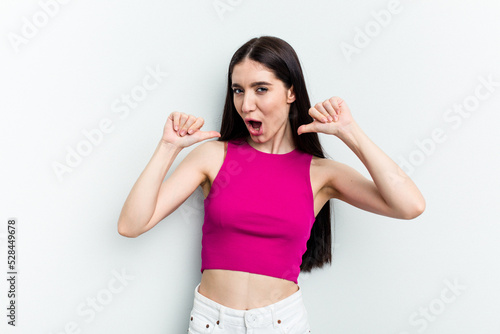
(251, 318)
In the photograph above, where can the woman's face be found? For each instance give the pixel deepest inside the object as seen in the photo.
(261, 99)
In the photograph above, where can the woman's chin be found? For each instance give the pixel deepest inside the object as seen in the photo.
(259, 138)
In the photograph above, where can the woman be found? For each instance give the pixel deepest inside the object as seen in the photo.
(267, 186)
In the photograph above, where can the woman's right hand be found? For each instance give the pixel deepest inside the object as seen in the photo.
(183, 130)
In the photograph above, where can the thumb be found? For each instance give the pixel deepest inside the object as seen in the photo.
(306, 128)
(204, 135)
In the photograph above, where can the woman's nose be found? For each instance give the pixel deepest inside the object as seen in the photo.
(248, 103)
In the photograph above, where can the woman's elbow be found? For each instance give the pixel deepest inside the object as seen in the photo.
(125, 231)
(416, 210)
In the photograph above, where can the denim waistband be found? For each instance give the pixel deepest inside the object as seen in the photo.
(257, 317)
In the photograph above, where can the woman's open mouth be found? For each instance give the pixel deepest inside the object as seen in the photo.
(254, 127)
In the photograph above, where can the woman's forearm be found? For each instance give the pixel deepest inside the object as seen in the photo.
(395, 187)
(141, 202)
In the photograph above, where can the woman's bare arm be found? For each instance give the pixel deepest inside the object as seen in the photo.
(151, 199)
(391, 193)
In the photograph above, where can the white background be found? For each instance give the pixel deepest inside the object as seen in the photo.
(388, 276)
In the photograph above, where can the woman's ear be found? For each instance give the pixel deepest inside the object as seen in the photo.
(290, 95)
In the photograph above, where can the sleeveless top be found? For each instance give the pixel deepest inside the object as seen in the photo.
(259, 212)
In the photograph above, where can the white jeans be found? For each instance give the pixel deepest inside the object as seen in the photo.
(288, 316)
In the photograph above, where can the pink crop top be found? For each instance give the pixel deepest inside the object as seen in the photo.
(259, 213)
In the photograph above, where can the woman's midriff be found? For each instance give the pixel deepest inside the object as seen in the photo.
(244, 291)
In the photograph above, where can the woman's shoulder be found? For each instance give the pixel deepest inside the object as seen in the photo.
(211, 155)
(325, 165)
(210, 148)
(329, 169)
(318, 161)
(212, 144)
(210, 152)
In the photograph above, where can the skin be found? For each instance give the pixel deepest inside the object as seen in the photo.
(258, 94)
(269, 102)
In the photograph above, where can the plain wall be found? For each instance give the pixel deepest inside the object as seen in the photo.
(423, 82)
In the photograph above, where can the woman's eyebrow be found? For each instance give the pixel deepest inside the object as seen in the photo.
(253, 84)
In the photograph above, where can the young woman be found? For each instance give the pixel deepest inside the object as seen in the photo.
(267, 186)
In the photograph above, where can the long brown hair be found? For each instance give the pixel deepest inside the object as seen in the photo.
(278, 56)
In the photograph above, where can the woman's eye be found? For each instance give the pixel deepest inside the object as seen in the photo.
(236, 91)
(262, 89)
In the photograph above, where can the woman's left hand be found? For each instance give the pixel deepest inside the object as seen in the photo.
(330, 117)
